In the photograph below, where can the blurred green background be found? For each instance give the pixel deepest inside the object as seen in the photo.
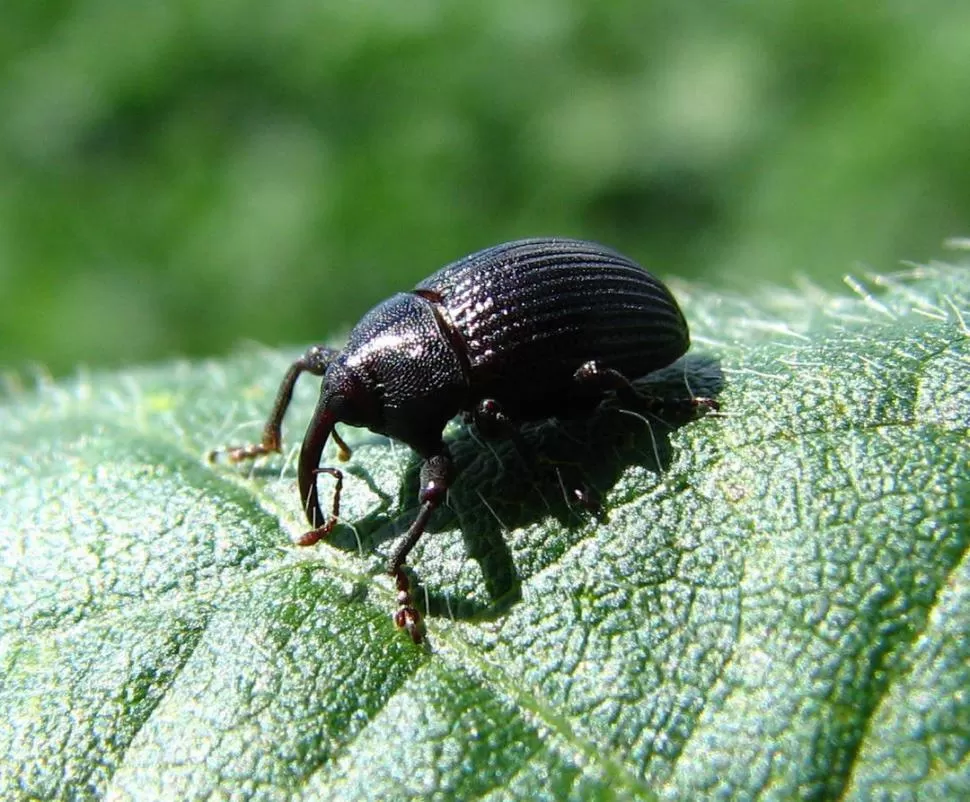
(177, 177)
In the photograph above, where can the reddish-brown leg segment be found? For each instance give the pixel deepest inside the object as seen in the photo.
(437, 474)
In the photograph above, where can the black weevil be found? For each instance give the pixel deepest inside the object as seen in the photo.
(523, 331)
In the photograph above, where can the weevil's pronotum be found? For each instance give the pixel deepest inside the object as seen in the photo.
(523, 331)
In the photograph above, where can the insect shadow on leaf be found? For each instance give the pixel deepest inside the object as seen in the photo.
(556, 468)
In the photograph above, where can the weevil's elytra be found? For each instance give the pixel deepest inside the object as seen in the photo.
(523, 331)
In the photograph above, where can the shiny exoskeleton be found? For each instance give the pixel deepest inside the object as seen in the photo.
(522, 331)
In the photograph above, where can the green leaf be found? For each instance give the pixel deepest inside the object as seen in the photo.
(773, 604)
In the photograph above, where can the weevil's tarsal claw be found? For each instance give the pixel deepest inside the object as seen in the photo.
(410, 620)
(407, 616)
(315, 535)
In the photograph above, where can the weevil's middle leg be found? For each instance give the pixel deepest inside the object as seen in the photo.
(437, 474)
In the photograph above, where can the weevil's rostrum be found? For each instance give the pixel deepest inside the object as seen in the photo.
(523, 331)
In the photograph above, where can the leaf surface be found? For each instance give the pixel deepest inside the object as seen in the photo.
(773, 603)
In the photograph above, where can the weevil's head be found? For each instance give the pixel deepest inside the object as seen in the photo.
(399, 375)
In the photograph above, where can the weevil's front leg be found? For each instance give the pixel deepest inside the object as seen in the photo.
(320, 532)
(437, 474)
(316, 361)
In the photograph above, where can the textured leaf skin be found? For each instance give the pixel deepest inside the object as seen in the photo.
(774, 606)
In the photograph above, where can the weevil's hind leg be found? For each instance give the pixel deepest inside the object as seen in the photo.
(596, 378)
(437, 474)
(316, 361)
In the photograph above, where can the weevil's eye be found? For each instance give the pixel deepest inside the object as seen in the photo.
(351, 398)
